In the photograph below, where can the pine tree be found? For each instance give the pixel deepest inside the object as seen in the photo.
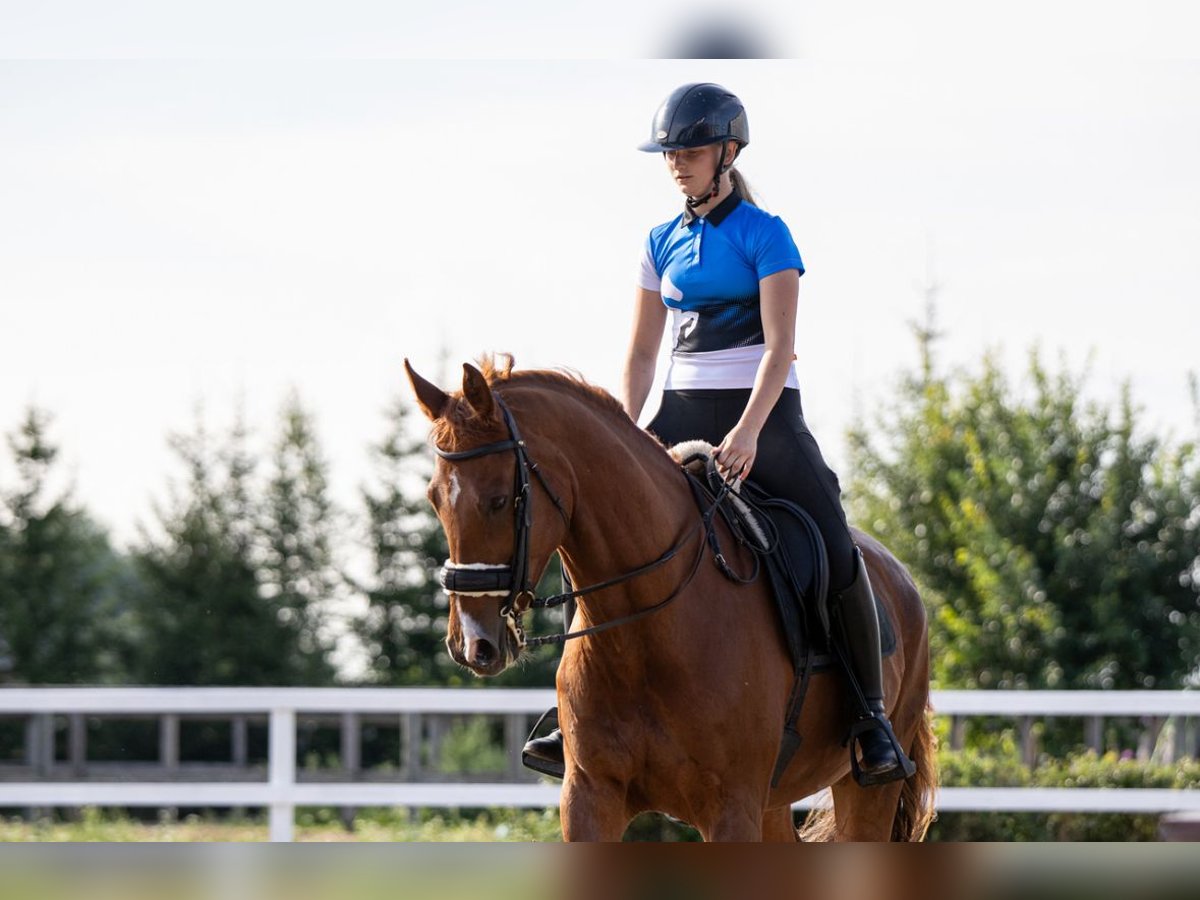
(204, 617)
(62, 619)
(299, 576)
(404, 626)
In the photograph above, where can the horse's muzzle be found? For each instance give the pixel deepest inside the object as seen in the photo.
(482, 642)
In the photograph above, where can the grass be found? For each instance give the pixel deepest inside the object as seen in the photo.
(320, 825)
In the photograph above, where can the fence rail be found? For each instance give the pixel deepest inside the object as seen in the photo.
(37, 782)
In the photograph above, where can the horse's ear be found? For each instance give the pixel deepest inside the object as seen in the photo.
(430, 397)
(477, 392)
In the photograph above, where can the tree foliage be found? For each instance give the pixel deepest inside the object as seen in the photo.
(239, 578)
(298, 523)
(61, 616)
(405, 621)
(1056, 545)
(205, 616)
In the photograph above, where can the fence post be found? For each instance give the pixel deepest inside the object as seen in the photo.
(33, 744)
(168, 741)
(1185, 737)
(77, 742)
(239, 742)
(436, 730)
(958, 732)
(46, 750)
(351, 759)
(411, 747)
(239, 750)
(1152, 727)
(515, 728)
(281, 754)
(39, 731)
(1029, 744)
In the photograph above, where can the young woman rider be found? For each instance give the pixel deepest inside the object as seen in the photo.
(726, 275)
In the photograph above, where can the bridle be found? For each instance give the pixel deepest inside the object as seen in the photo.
(512, 581)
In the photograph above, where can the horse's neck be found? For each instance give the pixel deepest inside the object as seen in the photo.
(632, 505)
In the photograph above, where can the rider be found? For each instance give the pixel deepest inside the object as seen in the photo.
(728, 274)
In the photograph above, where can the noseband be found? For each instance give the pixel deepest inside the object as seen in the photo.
(512, 581)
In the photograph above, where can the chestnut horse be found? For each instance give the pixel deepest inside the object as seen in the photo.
(679, 711)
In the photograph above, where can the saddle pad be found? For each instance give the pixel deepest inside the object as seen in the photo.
(793, 564)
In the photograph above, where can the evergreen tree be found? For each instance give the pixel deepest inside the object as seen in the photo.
(1055, 545)
(404, 626)
(204, 617)
(298, 572)
(61, 615)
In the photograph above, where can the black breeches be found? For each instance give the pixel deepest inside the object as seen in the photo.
(788, 463)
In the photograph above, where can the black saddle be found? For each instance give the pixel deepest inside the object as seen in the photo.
(790, 550)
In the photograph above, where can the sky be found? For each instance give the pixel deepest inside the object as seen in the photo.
(194, 215)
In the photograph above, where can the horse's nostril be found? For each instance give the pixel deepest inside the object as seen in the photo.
(485, 653)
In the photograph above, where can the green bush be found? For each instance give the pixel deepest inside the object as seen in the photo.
(472, 747)
(1000, 766)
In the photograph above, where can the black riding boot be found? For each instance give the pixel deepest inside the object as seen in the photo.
(545, 754)
(880, 757)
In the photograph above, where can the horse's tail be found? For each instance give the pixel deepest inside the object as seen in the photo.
(916, 810)
(819, 825)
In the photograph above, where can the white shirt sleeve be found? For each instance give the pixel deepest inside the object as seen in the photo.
(647, 274)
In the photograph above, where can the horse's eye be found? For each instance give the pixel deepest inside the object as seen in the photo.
(499, 502)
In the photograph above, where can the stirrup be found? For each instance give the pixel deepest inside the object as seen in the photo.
(904, 768)
(555, 768)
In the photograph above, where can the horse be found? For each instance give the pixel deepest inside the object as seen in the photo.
(674, 699)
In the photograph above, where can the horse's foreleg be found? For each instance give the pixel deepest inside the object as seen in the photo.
(778, 825)
(735, 822)
(864, 813)
(591, 811)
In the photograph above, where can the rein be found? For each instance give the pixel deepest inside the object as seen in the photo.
(512, 580)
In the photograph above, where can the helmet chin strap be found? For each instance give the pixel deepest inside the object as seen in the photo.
(693, 202)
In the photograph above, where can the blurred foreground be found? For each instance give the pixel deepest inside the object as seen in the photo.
(450, 872)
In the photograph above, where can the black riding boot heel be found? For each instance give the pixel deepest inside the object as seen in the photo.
(545, 754)
(879, 757)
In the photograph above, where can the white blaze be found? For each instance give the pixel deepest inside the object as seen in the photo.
(472, 630)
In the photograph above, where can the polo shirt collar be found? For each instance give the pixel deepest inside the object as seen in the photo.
(717, 214)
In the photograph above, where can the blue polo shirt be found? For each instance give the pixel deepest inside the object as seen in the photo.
(707, 270)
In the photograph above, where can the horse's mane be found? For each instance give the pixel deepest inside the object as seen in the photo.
(459, 426)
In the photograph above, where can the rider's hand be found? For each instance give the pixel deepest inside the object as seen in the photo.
(735, 454)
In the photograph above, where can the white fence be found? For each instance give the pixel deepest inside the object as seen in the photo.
(281, 792)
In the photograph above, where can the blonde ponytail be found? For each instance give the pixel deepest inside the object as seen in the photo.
(742, 186)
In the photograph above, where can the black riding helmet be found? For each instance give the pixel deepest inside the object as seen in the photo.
(696, 115)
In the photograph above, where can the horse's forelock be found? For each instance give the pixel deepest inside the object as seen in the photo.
(460, 426)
